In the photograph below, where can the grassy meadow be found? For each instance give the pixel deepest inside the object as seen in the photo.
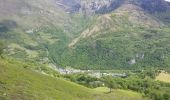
(18, 82)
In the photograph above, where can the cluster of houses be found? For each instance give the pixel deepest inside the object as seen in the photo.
(92, 73)
(101, 74)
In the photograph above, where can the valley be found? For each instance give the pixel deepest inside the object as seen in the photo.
(84, 50)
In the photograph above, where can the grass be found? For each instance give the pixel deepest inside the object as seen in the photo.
(118, 94)
(164, 77)
(19, 83)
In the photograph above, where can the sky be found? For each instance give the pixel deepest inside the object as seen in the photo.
(167, 0)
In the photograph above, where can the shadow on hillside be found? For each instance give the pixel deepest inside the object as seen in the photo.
(6, 25)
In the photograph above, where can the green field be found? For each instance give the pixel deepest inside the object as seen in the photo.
(118, 94)
(164, 77)
(19, 83)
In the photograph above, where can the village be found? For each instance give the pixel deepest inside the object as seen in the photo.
(92, 73)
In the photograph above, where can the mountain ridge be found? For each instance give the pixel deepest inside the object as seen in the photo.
(48, 33)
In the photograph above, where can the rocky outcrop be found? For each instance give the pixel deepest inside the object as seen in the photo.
(105, 6)
(89, 6)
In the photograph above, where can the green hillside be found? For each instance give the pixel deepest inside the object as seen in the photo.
(22, 83)
(130, 35)
(127, 38)
(28, 27)
(120, 49)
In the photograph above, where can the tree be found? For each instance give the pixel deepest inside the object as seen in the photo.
(110, 83)
(166, 96)
(1, 48)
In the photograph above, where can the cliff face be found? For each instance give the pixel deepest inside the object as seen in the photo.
(105, 6)
(89, 6)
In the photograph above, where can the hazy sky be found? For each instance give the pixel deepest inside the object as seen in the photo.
(167, 0)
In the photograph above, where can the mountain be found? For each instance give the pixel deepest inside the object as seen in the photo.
(90, 6)
(28, 27)
(93, 34)
(129, 36)
(121, 44)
